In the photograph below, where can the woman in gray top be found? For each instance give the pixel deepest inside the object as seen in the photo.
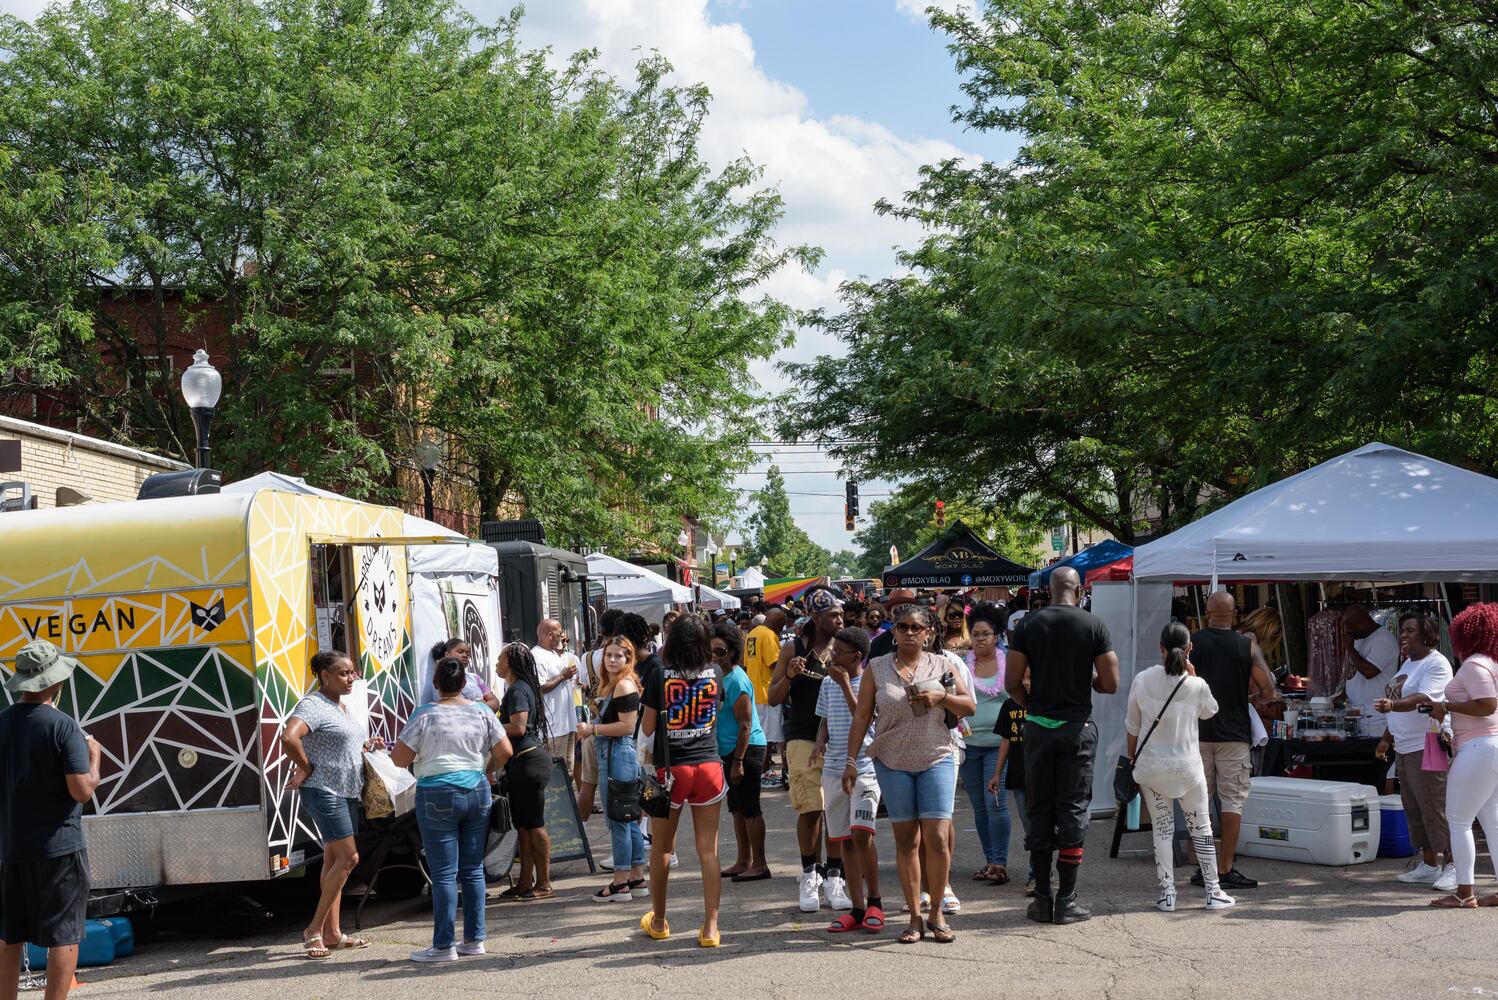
(327, 748)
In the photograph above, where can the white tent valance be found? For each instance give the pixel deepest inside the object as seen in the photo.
(1377, 513)
(714, 599)
(629, 586)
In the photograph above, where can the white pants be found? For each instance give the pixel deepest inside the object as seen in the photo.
(1472, 794)
(1198, 821)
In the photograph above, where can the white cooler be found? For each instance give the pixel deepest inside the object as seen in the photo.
(1313, 822)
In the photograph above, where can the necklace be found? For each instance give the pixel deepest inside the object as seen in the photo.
(906, 670)
(993, 686)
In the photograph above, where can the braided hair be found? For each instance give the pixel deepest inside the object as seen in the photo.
(522, 665)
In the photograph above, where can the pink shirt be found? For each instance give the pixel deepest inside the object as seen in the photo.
(1477, 678)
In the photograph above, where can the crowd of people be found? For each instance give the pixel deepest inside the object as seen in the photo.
(876, 710)
(880, 710)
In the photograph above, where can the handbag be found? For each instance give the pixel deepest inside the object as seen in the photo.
(655, 795)
(500, 820)
(1124, 785)
(1436, 758)
(623, 801)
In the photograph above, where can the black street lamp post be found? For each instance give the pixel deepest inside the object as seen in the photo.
(201, 387)
(430, 450)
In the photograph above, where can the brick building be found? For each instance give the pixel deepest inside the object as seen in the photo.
(52, 459)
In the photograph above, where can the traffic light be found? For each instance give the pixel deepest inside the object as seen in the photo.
(941, 514)
(852, 499)
(848, 518)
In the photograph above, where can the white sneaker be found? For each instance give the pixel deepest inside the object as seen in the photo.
(435, 955)
(1166, 903)
(1447, 881)
(809, 885)
(606, 865)
(1421, 874)
(471, 948)
(1219, 900)
(835, 888)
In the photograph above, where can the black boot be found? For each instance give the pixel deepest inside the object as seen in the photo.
(1068, 911)
(1040, 909)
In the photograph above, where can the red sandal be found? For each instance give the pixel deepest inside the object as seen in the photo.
(843, 924)
(873, 920)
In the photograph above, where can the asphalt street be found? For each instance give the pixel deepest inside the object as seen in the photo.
(1307, 931)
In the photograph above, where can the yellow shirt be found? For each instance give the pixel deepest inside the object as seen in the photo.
(761, 652)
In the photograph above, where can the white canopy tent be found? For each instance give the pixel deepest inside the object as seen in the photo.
(634, 587)
(454, 587)
(714, 599)
(1377, 513)
(751, 578)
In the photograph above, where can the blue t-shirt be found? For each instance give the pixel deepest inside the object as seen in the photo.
(832, 706)
(735, 685)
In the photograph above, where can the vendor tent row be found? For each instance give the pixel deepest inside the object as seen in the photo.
(1378, 513)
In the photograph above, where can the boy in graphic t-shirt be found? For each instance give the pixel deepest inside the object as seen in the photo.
(850, 816)
(1011, 726)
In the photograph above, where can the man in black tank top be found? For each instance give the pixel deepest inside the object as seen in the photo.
(795, 683)
(1232, 665)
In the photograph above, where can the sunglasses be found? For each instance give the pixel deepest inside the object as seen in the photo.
(720, 651)
(955, 616)
(909, 627)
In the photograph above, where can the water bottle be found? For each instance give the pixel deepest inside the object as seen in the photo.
(1131, 816)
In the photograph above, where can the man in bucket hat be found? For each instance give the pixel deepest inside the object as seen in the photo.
(48, 769)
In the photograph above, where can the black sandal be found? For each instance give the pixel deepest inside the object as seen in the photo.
(941, 933)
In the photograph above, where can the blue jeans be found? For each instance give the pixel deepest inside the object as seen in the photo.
(617, 759)
(912, 795)
(990, 812)
(454, 826)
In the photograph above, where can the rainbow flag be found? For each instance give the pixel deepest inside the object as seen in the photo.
(778, 590)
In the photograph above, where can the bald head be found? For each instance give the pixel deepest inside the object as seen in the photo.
(1066, 586)
(549, 634)
(1221, 609)
(775, 619)
(1358, 621)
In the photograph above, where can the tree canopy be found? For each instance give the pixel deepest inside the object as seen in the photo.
(775, 541)
(1240, 236)
(396, 219)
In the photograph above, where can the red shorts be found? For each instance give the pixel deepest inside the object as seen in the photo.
(695, 784)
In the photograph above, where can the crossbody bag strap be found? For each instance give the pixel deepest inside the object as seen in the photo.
(1140, 748)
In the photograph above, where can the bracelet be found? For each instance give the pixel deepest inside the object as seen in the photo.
(850, 764)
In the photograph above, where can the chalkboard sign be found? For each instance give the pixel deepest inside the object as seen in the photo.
(564, 825)
(569, 838)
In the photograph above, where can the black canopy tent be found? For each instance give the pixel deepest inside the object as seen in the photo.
(958, 558)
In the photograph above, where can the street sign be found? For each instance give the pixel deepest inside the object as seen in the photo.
(1058, 540)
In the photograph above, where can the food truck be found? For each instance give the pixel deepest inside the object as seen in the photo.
(194, 619)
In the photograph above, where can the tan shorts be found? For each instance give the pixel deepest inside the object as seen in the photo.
(588, 769)
(562, 746)
(805, 777)
(1228, 768)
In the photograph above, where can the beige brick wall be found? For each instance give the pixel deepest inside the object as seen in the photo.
(52, 458)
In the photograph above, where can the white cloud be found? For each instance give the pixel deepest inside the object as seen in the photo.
(917, 8)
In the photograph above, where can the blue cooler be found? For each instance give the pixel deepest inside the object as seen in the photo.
(97, 947)
(1394, 841)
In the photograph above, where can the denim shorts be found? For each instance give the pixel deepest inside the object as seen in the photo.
(912, 795)
(336, 817)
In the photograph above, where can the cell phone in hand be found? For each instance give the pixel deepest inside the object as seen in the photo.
(1424, 709)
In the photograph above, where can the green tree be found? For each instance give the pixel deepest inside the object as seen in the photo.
(1238, 238)
(844, 564)
(775, 541)
(400, 220)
